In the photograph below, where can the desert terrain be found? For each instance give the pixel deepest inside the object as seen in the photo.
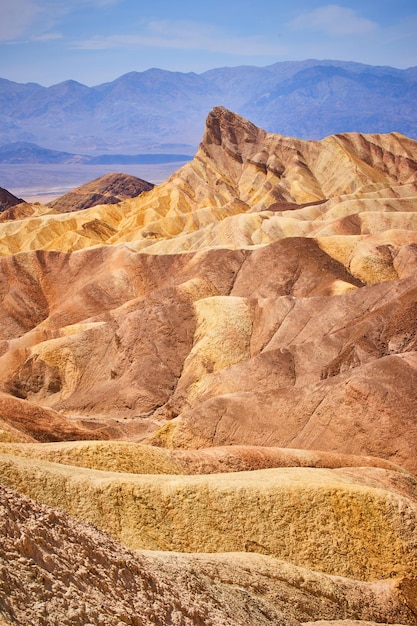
(208, 390)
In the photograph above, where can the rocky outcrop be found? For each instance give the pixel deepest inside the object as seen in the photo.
(108, 189)
(8, 200)
(355, 522)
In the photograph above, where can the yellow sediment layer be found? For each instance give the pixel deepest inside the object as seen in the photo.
(116, 456)
(140, 458)
(221, 339)
(311, 517)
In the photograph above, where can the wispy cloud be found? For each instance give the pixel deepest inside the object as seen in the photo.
(48, 37)
(16, 18)
(31, 20)
(185, 35)
(333, 19)
(86, 3)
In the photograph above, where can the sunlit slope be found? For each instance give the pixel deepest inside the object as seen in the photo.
(242, 189)
(276, 306)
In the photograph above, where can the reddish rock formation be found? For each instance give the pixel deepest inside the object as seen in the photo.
(108, 189)
(23, 421)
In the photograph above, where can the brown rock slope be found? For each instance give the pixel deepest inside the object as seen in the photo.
(108, 189)
(8, 200)
(244, 322)
(12, 207)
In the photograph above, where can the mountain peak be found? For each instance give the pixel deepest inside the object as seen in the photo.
(231, 132)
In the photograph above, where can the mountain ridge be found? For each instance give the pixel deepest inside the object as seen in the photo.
(25, 152)
(140, 109)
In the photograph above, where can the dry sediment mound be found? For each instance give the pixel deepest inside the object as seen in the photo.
(108, 189)
(138, 458)
(356, 522)
(79, 575)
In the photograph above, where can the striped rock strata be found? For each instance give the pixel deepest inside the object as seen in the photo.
(254, 318)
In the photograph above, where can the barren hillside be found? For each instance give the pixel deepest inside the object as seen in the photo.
(225, 364)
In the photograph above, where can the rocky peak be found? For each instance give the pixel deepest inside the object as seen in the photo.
(230, 131)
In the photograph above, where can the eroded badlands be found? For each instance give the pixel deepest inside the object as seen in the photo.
(219, 373)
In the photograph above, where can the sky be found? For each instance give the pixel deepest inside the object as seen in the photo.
(96, 41)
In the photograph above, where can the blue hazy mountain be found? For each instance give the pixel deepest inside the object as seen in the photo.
(162, 112)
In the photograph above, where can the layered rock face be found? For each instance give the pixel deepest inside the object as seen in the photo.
(264, 294)
(254, 319)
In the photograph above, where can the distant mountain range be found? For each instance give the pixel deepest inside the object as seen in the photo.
(161, 112)
(23, 152)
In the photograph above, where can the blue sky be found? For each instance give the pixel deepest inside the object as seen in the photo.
(95, 41)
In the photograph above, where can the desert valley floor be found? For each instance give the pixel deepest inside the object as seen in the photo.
(208, 407)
